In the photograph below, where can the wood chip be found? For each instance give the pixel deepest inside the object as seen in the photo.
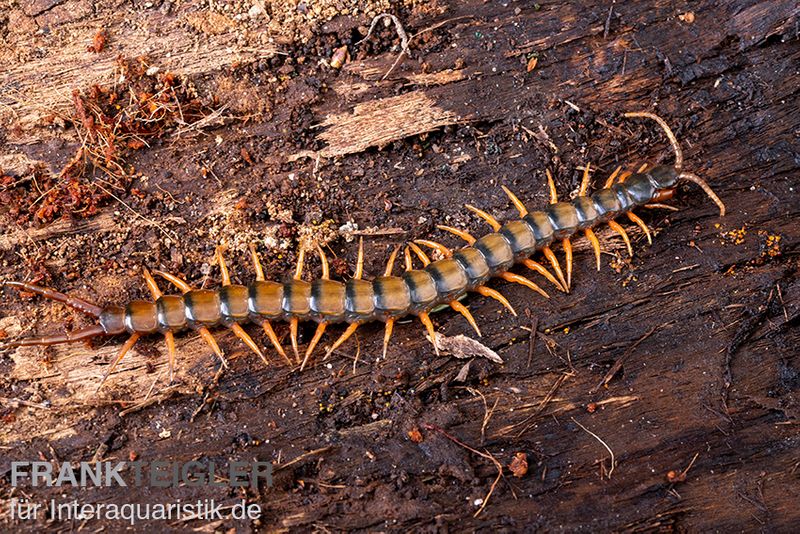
(463, 347)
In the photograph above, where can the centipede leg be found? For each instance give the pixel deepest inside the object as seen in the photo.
(293, 325)
(568, 251)
(245, 337)
(612, 177)
(539, 268)
(121, 354)
(550, 255)
(317, 336)
(426, 320)
(621, 231)
(275, 341)
(387, 335)
(635, 218)
(523, 211)
(169, 339)
(466, 236)
(517, 279)
(360, 261)
(592, 237)
(485, 216)
(345, 335)
(460, 308)
(496, 295)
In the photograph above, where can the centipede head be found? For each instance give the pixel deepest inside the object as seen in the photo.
(667, 177)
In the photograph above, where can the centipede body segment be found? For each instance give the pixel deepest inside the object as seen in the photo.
(386, 298)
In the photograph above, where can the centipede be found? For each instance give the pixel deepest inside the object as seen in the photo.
(527, 241)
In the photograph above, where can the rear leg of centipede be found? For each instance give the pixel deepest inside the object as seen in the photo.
(75, 303)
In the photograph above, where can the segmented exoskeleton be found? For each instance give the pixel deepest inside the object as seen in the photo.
(388, 297)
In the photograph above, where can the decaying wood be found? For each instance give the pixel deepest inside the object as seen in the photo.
(693, 341)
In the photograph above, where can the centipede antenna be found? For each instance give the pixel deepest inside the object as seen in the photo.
(460, 308)
(212, 343)
(639, 222)
(426, 320)
(466, 236)
(496, 295)
(317, 336)
(420, 253)
(592, 237)
(174, 280)
(55, 339)
(568, 252)
(326, 273)
(612, 177)
(446, 252)
(155, 291)
(237, 329)
(301, 258)
(360, 260)
(121, 354)
(73, 302)
(707, 188)
(551, 184)
(256, 263)
(387, 335)
(169, 339)
(539, 268)
(275, 341)
(345, 335)
(517, 279)
(621, 231)
(523, 211)
(551, 257)
(485, 216)
(293, 323)
(585, 180)
(664, 126)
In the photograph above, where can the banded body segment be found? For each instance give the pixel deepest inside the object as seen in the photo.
(563, 218)
(171, 311)
(202, 307)
(391, 296)
(327, 300)
(264, 300)
(474, 264)
(296, 300)
(233, 302)
(422, 288)
(140, 317)
(359, 301)
(497, 252)
(520, 237)
(542, 228)
(450, 278)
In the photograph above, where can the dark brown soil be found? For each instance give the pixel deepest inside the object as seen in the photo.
(695, 338)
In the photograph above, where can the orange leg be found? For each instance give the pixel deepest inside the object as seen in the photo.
(347, 333)
(548, 253)
(539, 268)
(426, 320)
(275, 342)
(293, 324)
(635, 218)
(517, 279)
(592, 237)
(496, 295)
(252, 345)
(485, 216)
(460, 308)
(387, 335)
(317, 336)
(621, 231)
(568, 250)
(122, 352)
